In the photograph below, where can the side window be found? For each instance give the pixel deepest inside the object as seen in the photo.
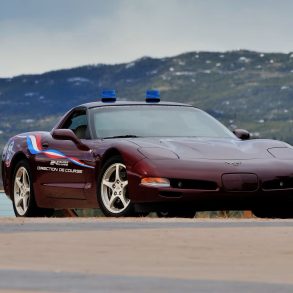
(77, 122)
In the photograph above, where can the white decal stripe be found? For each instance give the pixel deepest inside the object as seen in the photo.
(54, 154)
(34, 143)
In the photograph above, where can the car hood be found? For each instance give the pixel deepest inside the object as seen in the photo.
(206, 148)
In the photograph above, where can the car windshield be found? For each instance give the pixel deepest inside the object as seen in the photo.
(155, 121)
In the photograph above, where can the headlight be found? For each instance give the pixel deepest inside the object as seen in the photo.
(282, 153)
(154, 153)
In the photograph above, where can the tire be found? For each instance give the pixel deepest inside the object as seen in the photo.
(273, 213)
(23, 198)
(178, 213)
(113, 189)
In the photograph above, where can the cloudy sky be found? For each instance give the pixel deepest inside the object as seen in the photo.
(41, 35)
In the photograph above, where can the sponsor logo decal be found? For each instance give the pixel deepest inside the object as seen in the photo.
(55, 169)
(59, 163)
(34, 147)
(8, 154)
(233, 163)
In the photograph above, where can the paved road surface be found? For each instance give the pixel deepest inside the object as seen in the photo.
(145, 255)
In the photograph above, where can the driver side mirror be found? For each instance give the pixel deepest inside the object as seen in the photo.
(242, 134)
(68, 134)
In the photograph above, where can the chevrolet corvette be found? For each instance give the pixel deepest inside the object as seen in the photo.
(132, 158)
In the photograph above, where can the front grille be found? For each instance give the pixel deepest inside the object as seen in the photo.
(193, 184)
(278, 183)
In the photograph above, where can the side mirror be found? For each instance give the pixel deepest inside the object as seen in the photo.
(68, 134)
(242, 134)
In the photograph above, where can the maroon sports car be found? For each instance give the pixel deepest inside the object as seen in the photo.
(131, 158)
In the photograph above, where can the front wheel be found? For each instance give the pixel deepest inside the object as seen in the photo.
(276, 213)
(24, 203)
(113, 189)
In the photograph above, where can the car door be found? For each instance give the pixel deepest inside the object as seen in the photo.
(67, 170)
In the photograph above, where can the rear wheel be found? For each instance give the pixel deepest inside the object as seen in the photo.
(23, 198)
(113, 189)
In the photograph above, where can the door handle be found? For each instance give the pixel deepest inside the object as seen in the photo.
(45, 145)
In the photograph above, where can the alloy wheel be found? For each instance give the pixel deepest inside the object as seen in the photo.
(114, 188)
(22, 191)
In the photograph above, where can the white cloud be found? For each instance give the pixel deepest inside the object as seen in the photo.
(67, 33)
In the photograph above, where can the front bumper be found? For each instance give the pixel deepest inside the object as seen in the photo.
(253, 184)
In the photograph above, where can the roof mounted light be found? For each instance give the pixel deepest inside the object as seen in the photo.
(108, 96)
(152, 96)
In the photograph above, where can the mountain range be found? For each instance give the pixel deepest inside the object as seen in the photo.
(243, 89)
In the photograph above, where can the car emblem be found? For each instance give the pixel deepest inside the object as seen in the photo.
(233, 163)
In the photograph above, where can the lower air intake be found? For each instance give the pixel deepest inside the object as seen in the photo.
(278, 183)
(193, 184)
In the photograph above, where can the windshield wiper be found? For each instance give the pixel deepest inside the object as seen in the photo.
(121, 136)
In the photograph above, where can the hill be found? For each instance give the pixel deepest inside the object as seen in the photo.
(242, 88)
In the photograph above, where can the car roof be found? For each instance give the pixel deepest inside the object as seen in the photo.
(130, 103)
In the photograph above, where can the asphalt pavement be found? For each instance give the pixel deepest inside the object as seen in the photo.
(146, 255)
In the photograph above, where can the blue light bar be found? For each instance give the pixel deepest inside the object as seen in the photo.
(108, 96)
(152, 96)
